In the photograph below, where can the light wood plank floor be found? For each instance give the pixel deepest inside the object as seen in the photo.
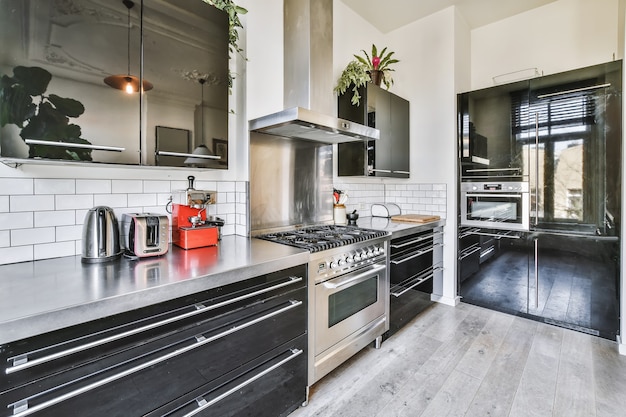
(470, 361)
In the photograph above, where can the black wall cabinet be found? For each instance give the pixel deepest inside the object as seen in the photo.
(387, 157)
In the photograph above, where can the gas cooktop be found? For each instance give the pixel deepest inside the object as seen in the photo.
(319, 238)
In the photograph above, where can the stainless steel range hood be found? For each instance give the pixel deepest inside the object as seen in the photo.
(300, 123)
(309, 100)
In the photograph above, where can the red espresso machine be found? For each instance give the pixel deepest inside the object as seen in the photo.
(190, 228)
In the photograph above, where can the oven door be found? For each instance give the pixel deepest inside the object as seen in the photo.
(347, 303)
(497, 210)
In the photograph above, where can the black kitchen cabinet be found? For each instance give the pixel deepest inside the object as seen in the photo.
(387, 157)
(172, 44)
(414, 261)
(561, 136)
(225, 351)
(565, 280)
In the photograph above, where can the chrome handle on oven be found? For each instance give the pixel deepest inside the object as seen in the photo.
(353, 279)
(492, 170)
(21, 362)
(418, 253)
(494, 195)
(427, 277)
(200, 341)
(203, 404)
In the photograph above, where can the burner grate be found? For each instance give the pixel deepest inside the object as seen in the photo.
(319, 238)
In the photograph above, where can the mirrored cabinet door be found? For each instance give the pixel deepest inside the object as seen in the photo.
(55, 103)
(66, 67)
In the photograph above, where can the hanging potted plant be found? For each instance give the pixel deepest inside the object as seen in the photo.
(375, 69)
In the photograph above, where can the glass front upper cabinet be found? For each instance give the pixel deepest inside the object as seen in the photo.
(65, 68)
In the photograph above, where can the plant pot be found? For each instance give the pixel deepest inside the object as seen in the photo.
(376, 76)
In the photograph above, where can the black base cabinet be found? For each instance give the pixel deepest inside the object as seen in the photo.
(413, 263)
(231, 351)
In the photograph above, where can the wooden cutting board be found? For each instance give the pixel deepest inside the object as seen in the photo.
(415, 218)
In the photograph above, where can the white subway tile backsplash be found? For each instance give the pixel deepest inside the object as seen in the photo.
(226, 186)
(111, 200)
(93, 186)
(10, 221)
(64, 233)
(21, 237)
(5, 238)
(13, 186)
(140, 200)
(126, 186)
(55, 218)
(55, 250)
(54, 186)
(69, 202)
(43, 218)
(152, 186)
(16, 254)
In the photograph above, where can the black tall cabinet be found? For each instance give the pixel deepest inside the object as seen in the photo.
(562, 134)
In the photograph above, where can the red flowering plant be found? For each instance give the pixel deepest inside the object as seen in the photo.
(365, 69)
(379, 62)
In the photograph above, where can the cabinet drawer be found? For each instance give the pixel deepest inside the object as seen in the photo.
(270, 386)
(174, 353)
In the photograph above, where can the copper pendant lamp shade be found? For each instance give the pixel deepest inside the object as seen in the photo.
(127, 82)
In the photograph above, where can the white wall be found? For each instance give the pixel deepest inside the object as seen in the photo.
(559, 36)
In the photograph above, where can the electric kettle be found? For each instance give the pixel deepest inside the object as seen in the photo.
(101, 236)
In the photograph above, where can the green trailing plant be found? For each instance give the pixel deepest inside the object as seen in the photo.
(23, 102)
(359, 72)
(354, 76)
(234, 24)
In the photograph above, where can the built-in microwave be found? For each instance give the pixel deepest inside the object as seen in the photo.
(495, 205)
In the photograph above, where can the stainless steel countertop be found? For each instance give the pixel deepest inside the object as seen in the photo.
(41, 296)
(397, 229)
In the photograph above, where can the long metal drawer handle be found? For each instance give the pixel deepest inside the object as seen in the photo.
(381, 170)
(21, 362)
(473, 251)
(497, 235)
(419, 253)
(419, 239)
(348, 281)
(201, 341)
(203, 404)
(426, 278)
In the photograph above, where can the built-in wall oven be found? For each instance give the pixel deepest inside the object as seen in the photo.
(496, 205)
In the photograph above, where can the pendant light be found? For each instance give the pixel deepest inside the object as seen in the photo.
(202, 154)
(127, 82)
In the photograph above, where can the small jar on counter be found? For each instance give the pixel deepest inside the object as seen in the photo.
(339, 214)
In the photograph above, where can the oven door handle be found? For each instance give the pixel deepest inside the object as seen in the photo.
(494, 195)
(333, 284)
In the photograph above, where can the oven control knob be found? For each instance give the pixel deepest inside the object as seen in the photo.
(350, 259)
(333, 265)
(370, 253)
(357, 257)
(342, 262)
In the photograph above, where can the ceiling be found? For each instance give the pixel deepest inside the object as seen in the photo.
(388, 15)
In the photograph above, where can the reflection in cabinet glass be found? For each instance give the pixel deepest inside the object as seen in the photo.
(74, 45)
(386, 157)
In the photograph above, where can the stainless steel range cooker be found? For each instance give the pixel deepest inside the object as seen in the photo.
(348, 291)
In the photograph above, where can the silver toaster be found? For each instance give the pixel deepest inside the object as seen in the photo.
(145, 234)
